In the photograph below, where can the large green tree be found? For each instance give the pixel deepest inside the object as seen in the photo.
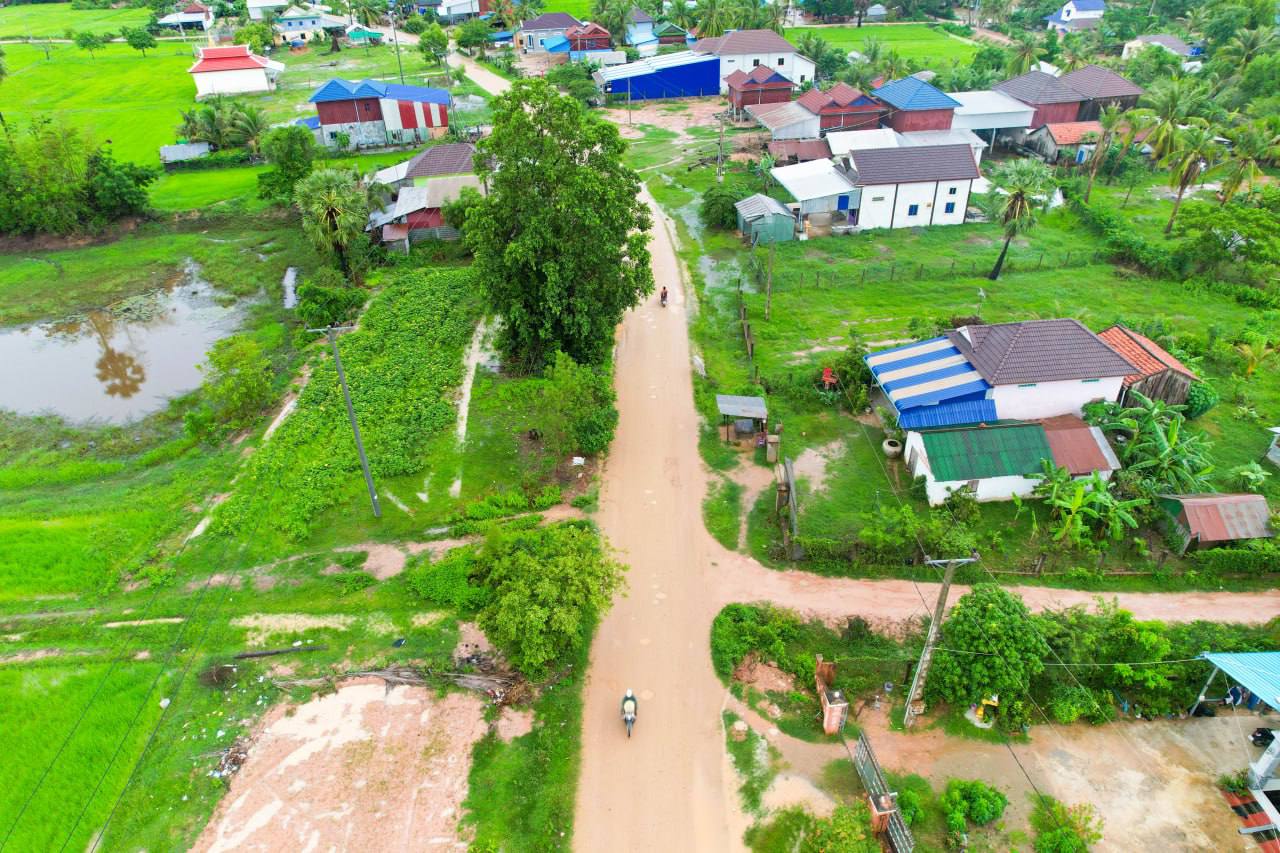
(995, 649)
(334, 210)
(560, 240)
(290, 150)
(1192, 151)
(140, 39)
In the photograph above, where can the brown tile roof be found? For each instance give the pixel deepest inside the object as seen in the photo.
(814, 100)
(1036, 87)
(1073, 132)
(803, 150)
(762, 76)
(745, 41)
(1076, 446)
(1145, 354)
(1094, 81)
(910, 165)
(1037, 350)
(843, 94)
(550, 21)
(451, 159)
(1225, 518)
(584, 30)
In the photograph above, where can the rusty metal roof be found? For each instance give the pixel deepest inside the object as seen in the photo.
(1078, 447)
(1224, 518)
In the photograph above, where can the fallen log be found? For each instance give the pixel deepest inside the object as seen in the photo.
(266, 653)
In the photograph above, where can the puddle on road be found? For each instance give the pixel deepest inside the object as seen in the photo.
(112, 368)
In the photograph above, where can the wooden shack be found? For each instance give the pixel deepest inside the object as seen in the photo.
(1160, 377)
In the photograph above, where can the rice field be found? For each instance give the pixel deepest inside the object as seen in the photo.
(912, 41)
(41, 20)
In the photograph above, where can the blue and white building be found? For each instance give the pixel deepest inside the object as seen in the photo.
(676, 75)
(1076, 15)
(640, 34)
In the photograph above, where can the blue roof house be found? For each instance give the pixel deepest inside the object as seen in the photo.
(1076, 15)
(640, 34)
(932, 385)
(917, 105)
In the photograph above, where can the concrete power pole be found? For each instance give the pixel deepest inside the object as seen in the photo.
(935, 625)
(332, 333)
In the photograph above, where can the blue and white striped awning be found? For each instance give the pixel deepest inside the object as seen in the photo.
(925, 373)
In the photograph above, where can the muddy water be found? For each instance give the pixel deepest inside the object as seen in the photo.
(112, 368)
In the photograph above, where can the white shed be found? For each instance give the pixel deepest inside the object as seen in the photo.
(818, 185)
(787, 120)
(990, 110)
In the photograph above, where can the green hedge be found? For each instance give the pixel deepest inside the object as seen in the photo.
(1125, 245)
(1265, 558)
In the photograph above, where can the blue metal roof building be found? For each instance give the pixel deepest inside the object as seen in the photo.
(675, 75)
(912, 94)
(348, 90)
(932, 385)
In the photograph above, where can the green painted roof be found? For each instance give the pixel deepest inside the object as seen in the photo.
(975, 454)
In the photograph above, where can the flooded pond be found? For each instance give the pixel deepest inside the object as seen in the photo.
(117, 366)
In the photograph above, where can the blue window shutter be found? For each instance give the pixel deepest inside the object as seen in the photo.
(913, 209)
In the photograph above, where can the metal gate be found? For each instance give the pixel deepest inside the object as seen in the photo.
(900, 840)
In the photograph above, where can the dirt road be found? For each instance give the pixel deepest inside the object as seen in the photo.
(670, 788)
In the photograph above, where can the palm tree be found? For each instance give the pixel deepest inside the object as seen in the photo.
(367, 12)
(334, 210)
(1255, 353)
(872, 50)
(1171, 104)
(1247, 45)
(713, 18)
(612, 15)
(683, 16)
(1112, 121)
(527, 9)
(1250, 148)
(894, 66)
(1019, 185)
(1192, 151)
(1025, 53)
(250, 125)
(1073, 57)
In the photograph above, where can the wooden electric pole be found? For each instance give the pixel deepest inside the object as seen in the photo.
(720, 153)
(332, 333)
(768, 288)
(935, 625)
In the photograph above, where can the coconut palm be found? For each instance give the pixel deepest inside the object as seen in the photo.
(1024, 54)
(1171, 104)
(713, 18)
(1255, 353)
(683, 16)
(872, 50)
(1112, 121)
(1193, 151)
(612, 15)
(1247, 45)
(334, 210)
(996, 11)
(249, 125)
(367, 12)
(894, 66)
(1250, 148)
(1019, 185)
(1073, 57)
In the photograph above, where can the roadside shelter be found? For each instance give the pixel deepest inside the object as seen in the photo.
(742, 416)
(1212, 519)
(762, 219)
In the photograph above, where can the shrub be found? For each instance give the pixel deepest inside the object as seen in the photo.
(448, 583)
(1070, 702)
(237, 379)
(1201, 397)
(740, 629)
(909, 807)
(1064, 829)
(326, 299)
(973, 801)
(847, 830)
(1255, 559)
(578, 415)
(717, 209)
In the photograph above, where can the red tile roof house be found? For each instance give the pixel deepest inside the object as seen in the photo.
(1100, 88)
(762, 85)
(232, 70)
(843, 107)
(1062, 142)
(1160, 376)
(745, 49)
(588, 36)
(1054, 101)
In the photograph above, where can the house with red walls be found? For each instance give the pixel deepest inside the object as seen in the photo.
(916, 105)
(1054, 101)
(843, 107)
(588, 36)
(762, 85)
(371, 113)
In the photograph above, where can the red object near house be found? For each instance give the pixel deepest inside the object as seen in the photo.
(348, 112)
(588, 36)
(430, 217)
(843, 107)
(905, 121)
(1055, 113)
(762, 86)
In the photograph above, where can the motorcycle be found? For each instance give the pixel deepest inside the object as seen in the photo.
(629, 714)
(663, 299)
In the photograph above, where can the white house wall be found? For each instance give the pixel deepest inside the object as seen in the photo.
(807, 129)
(1049, 399)
(235, 82)
(791, 65)
(889, 205)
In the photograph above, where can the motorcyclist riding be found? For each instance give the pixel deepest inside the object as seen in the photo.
(629, 707)
(663, 297)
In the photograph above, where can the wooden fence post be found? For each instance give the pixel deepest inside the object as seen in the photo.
(892, 267)
(920, 272)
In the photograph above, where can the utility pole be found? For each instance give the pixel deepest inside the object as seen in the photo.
(926, 654)
(768, 289)
(332, 333)
(395, 38)
(720, 153)
(628, 100)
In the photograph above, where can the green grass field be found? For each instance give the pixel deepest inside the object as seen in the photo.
(38, 20)
(912, 41)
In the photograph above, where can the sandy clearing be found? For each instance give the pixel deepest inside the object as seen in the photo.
(513, 724)
(364, 768)
(217, 579)
(812, 464)
(30, 655)
(471, 640)
(383, 561)
(129, 623)
(289, 402)
(426, 620)
(264, 625)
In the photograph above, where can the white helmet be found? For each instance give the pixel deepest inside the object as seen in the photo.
(628, 692)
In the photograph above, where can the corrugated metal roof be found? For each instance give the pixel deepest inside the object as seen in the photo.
(777, 116)
(880, 166)
(912, 93)
(1094, 81)
(844, 141)
(1078, 447)
(1038, 351)
(925, 373)
(814, 179)
(745, 41)
(1224, 518)
(952, 414)
(987, 101)
(338, 89)
(652, 64)
(453, 158)
(733, 406)
(755, 206)
(976, 454)
(1258, 672)
(803, 150)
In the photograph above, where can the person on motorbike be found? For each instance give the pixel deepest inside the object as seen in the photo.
(663, 297)
(629, 704)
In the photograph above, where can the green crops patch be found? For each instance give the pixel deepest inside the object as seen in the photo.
(35, 20)
(919, 42)
(402, 365)
(722, 511)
